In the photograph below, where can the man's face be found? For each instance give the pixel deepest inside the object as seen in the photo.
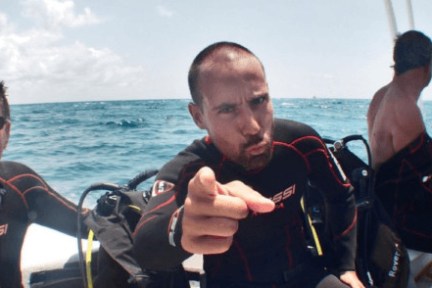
(237, 111)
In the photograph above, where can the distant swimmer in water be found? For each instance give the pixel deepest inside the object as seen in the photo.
(25, 198)
(401, 148)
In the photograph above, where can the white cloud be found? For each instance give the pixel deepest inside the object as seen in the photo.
(39, 64)
(164, 11)
(3, 21)
(54, 14)
(5, 26)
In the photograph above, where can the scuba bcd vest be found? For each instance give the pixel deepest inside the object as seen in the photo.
(382, 259)
(113, 221)
(112, 265)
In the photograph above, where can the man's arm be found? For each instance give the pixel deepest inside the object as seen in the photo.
(156, 235)
(45, 206)
(212, 212)
(204, 225)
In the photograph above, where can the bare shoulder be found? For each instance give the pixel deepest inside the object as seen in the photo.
(409, 115)
(9, 169)
(408, 123)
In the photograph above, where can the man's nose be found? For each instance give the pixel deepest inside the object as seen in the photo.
(248, 122)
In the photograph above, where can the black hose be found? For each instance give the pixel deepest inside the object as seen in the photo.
(341, 143)
(361, 138)
(133, 183)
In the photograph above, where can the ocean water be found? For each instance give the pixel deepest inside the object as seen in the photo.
(73, 145)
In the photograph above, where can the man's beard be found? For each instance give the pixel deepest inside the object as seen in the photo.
(255, 162)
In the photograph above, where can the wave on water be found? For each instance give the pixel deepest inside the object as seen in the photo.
(127, 123)
(73, 145)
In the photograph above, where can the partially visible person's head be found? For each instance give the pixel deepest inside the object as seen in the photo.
(232, 102)
(412, 49)
(4, 104)
(4, 118)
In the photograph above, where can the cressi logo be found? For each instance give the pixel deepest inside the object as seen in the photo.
(281, 196)
(161, 186)
(3, 229)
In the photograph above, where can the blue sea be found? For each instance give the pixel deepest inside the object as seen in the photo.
(73, 145)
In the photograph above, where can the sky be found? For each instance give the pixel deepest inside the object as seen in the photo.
(77, 50)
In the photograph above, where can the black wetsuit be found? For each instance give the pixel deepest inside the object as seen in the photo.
(268, 250)
(26, 198)
(404, 186)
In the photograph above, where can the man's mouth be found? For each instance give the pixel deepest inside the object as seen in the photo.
(257, 149)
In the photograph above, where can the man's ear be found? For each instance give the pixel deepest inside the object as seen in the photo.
(6, 135)
(196, 113)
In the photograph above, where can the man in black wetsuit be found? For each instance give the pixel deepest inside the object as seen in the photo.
(235, 196)
(400, 146)
(25, 198)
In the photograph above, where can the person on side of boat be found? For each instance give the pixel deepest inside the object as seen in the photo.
(400, 145)
(25, 198)
(235, 195)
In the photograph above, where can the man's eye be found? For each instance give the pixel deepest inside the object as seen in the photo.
(259, 100)
(226, 109)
